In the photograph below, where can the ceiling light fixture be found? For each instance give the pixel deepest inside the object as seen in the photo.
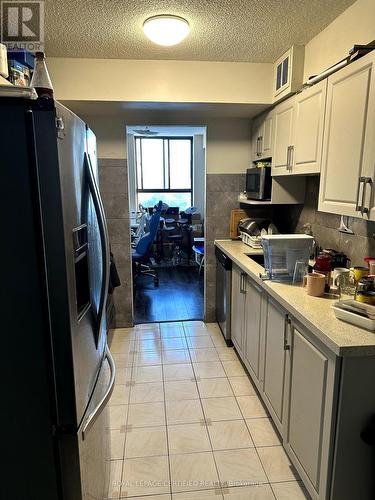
(166, 30)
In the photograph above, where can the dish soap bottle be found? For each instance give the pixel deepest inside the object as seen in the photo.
(41, 80)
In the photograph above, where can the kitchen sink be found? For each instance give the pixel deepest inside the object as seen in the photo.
(259, 259)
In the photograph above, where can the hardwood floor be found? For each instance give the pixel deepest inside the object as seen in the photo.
(179, 296)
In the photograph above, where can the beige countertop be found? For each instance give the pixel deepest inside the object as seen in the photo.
(315, 313)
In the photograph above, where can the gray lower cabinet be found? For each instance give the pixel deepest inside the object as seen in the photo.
(238, 307)
(274, 361)
(253, 332)
(309, 397)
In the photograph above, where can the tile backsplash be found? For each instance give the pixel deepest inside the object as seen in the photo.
(325, 226)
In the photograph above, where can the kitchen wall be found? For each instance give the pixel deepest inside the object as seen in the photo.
(324, 226)
(113, 183)
(228, 139)
(160, 80)
(356, 25)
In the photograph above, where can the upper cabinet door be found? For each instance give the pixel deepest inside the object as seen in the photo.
(348, 146)
(282, 137)
(309, 110)
(267, 135)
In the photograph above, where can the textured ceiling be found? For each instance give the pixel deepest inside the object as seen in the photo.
(221, 30)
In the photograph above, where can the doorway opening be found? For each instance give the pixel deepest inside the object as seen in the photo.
(167, 173)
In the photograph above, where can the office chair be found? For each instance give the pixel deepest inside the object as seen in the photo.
(141, 253)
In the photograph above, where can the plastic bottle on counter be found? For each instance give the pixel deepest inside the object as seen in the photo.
(41, 80)
(323, 265)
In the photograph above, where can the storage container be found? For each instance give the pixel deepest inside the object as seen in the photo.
(281, 251)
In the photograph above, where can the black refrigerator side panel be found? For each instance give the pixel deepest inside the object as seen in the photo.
(29, 469)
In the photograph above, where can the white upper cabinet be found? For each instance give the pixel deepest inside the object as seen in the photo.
(308, 124)
(348, 161)
(288, 72)
(298, 132)
(262, 136)
(282, 137)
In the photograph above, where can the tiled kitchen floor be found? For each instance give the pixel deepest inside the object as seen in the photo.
(186, 422)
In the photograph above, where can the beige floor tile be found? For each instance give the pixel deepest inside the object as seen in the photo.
(294, 490)
(256, 492)
(147, 393)
(172, 333)
(239, 467)
(116, 449)
(150, 497)
(145, 476)
(147, 334)
(148, 345)
(144, 374)
(194, 323)
(188, 438)
(193, 471)
(121, 345)
(202, 355)
(180, 389)
(217, 409)
(117, 416)
(199, 495)
(200, 342)
(263, 432)
(196, 331)
(146, 414)
(120, 395)
(147, 358)
(226, 354)
(251, 407)
(171, 324)
(233, 369)
(218, 340)
(214, 388)
(146, 442)
(173, 343)
(242, 386)
(229, 434)
(124, 359)
(209, 369)
(126, 333)
(123, 375)
(181, 371)
(176, 356)
(276, 464)
(185, 411)
(115, 474)
(147, 326)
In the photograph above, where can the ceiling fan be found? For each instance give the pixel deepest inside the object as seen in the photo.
(145, 131)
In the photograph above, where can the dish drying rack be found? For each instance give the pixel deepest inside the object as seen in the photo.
(251, 241)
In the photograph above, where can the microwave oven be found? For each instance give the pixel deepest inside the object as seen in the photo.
(258, 183)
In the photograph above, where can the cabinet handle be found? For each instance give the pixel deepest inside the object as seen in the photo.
(258, 149)
(243, 283)
(288, 322)
(291, 160)
(288, 151)
(365, 180)
(260, 145)
(358, 207)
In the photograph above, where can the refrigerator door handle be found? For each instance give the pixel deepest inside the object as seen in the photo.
(102, 403)
(94, 190)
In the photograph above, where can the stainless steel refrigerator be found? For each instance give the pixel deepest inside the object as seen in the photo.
(57, 373)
